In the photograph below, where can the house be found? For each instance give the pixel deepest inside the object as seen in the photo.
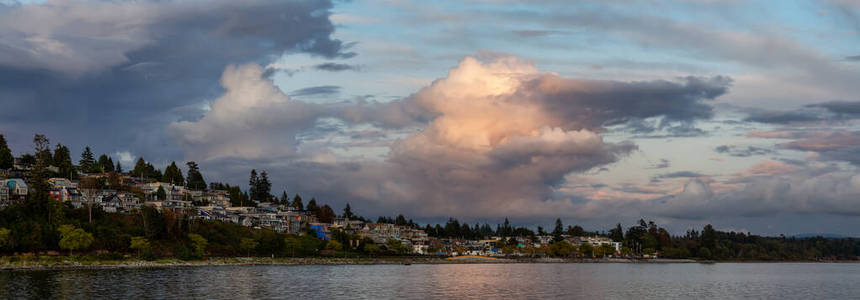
(12, 191)
(67, 194)
(322, 230)
(218, 198)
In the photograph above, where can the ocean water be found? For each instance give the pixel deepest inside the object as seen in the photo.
(459, 281)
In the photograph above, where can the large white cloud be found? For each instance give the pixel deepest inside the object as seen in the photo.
(496, 138)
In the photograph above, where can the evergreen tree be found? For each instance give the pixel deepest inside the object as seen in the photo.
(6, 158)
(40, 200)
(88, 161)
(118, 168)
(297, 203)
(264, 187)
(173, 175)
(285, 200)
(160, 194)
(312, 206)
(63, 161)
(139, 168)
(347, 212)
(195, 178)
(617, 233)
(558, 231)
(105, 164)
(253, 185)
(326, 214)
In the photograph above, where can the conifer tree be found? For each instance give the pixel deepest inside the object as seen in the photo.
(6, 158)
(195, 178)
(88, 161)
(297, 203)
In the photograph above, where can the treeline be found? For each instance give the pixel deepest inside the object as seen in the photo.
(41, 223)
(710, 244)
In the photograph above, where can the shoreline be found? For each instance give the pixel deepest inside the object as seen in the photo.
(66, 263)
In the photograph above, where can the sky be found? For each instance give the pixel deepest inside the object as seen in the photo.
(740, 114)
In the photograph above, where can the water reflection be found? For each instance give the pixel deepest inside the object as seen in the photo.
(584, 281)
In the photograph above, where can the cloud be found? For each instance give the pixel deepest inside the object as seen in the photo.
(253, 118)
(101, 71)
(739, 151)
(805, 191)
(664, 163)
(336, 67)
(125, 157)
(817, 112)
(853, 58)
(784, 117)
(843, 108)
(678, 174)
(323, 90)
(493, 138)
(681, 174)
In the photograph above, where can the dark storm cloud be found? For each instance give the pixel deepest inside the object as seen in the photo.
(784, 117)
(337, 67)
(128, 67)
(613, 102)
(843, 108)
(323, 90)
(739, 151)
(679, 174)
(824, 111)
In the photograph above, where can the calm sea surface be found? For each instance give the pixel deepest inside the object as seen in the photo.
(580, 281)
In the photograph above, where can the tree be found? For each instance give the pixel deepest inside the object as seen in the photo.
(63, 161)
(285, 200)
(576, 230)
(291, 244)
(140, 168)
(347, 212)
(90, 187)
(40, 198)
(88, 161)
(313, 208)
(141, 244)
(558, 231)
(617, 233)
(253, 184)
(105, 164)
(118, 168)
(160, 194)
(195, 178)
(326, 214)
(372, 249)
(199, 244)
(333, 245)
(248, 244)
(605, 249)
(6, 158)
(297, 203)
(173, 175)
(44, 153)
(5, 237)
(72, 238)
(586, 250)
(264, 187)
